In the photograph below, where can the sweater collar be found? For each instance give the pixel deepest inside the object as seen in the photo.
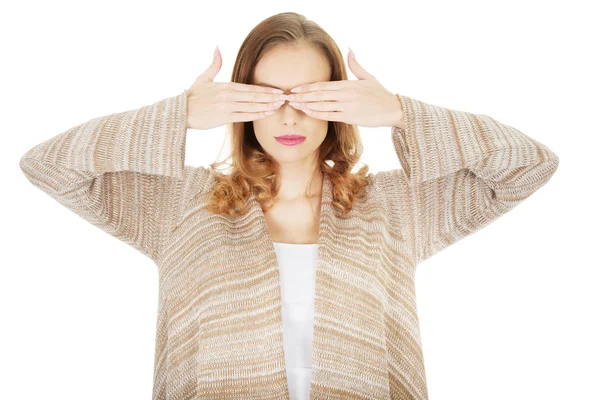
(325, 295)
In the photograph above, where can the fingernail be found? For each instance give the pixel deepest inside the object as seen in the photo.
(215, 52)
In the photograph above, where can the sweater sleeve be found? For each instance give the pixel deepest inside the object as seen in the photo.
(122, 172)
(463, 171)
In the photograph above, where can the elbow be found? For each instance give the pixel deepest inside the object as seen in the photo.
(529, 179)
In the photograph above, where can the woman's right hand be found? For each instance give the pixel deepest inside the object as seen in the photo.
(211, 104)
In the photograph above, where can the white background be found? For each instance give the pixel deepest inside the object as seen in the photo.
(510, 312)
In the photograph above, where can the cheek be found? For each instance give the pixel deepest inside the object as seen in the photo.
(320, 129)
(261, 129)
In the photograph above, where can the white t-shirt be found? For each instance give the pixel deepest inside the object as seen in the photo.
(297, 266)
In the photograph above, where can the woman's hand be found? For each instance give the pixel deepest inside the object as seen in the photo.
(211, 104)
(364, 102)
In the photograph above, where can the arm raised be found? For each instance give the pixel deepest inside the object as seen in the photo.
(462, 171)
(122, 172)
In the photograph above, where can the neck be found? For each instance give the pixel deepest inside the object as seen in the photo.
(295, 181)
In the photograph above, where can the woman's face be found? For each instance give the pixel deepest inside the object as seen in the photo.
(285, 67)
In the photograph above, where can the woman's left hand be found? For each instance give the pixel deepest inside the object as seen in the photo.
(364, 102)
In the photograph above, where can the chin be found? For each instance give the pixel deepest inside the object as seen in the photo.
(290, 158)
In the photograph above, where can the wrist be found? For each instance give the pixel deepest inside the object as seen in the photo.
(399, 116)
(187, 111)
(400, 123)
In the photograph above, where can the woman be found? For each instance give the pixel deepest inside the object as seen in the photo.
(267, 291)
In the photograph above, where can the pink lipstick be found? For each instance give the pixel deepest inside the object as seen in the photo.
(290, 140)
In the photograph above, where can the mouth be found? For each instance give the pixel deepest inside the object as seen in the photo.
(290, 140)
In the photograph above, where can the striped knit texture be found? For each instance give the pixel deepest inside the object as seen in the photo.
(219, 326)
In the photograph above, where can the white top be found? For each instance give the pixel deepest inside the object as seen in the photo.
(297, 267)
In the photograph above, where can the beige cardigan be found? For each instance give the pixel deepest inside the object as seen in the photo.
(219, 329)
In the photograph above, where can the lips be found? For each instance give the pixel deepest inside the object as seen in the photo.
(290, 137)
(290, 140)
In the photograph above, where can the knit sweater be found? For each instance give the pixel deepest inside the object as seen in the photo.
(219, 329)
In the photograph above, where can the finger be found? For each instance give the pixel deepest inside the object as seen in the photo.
(326, 115)
(320, 106)
(252, 97)
(213, 69)
(321, 95)
(324, 85)
(255, 107)
(244, 117)
(358, 70)
(246, 87)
